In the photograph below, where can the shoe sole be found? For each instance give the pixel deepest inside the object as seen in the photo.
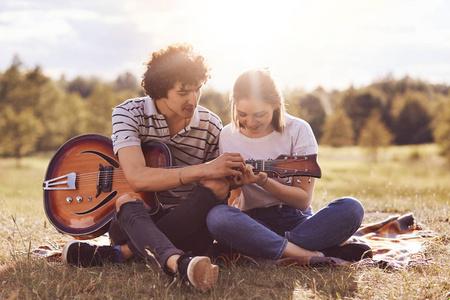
(66, 249)
(202, 274)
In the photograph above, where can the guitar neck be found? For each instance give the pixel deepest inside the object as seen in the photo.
(286, 166)
(259, 165)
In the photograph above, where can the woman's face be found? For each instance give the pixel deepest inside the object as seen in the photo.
(254, 117)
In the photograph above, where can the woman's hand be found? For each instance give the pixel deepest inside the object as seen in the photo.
(249, 177)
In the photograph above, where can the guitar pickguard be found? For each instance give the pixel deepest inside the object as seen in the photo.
(108, 159)
(102, 203)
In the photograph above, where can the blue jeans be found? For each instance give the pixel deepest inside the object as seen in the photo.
(264, 232)
(169, 232)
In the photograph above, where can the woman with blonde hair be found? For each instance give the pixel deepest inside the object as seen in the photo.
(272, 218)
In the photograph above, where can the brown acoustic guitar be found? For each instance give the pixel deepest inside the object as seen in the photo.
(84, 179)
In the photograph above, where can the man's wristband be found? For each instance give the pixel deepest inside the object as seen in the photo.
(179, 177)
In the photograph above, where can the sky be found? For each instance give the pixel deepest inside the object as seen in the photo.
(305, 44)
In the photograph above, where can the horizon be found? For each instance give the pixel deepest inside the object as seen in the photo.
(305, 45)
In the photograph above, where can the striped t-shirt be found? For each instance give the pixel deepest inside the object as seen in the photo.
(136, 122)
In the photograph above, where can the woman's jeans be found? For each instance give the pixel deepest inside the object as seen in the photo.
(170, 231)
(264, 232)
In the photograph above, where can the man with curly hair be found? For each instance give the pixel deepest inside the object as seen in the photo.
(177, 236)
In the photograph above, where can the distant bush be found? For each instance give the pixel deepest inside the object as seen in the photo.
(374, 135)
(442, 129)
(338, 130)
(414, 155)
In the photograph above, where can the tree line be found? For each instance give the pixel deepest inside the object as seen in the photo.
(39, 113)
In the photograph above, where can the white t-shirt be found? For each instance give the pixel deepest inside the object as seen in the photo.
(296, 139)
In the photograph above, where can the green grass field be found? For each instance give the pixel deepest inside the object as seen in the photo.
(406, 179)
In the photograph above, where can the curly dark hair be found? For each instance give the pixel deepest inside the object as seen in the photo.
(175, 63)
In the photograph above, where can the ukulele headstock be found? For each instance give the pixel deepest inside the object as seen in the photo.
(287, 166)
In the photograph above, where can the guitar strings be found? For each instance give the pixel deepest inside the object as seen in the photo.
(118, 175)
(89, 176)
(115, 172)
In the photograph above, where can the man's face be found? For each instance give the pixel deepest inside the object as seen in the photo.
(182, 99)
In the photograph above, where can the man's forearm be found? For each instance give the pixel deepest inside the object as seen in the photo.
(158, 179)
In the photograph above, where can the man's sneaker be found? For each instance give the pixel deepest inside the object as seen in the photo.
(82, 254)
(349, 252)
(198, 271)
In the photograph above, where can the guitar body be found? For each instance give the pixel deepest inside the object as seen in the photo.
(84, 180)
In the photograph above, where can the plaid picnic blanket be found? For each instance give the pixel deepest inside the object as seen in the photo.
(396, 242)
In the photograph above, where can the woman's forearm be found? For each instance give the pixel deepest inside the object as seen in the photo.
(291, 195)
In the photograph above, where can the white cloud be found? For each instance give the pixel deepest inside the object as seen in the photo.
(20, 26)
(307, 43)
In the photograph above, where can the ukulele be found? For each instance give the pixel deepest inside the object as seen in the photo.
(84, 180)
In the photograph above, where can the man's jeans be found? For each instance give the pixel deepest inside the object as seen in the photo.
(264, 232)
(170, 231)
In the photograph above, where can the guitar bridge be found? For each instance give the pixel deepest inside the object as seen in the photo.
(65, 182)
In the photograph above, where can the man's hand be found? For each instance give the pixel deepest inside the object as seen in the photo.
(227, 164)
